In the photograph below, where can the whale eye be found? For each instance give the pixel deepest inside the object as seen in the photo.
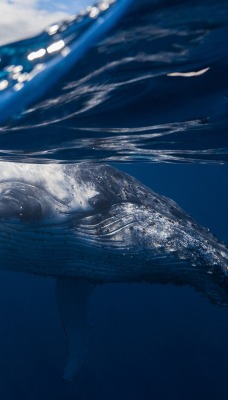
(16, 203)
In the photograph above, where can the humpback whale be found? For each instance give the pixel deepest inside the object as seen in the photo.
(87, 224)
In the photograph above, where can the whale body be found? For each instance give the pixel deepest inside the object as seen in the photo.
(86, 224)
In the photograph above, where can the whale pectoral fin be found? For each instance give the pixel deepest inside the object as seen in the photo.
(73, 300)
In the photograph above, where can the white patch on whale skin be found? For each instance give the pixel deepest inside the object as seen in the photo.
(55, 179)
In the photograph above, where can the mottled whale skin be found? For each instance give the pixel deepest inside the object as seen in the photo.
(88, 223)
(94, 222)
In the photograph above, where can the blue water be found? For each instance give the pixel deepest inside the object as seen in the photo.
(119, 105)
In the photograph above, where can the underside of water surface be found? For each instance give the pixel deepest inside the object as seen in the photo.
(154, 90)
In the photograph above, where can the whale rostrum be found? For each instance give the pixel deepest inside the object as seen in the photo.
(88, 224)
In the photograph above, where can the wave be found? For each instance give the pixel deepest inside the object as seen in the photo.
(153, 90)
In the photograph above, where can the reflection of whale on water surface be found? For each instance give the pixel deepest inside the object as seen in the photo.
(87, 224)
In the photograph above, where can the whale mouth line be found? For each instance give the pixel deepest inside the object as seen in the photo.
(32, 186)
(27, 202)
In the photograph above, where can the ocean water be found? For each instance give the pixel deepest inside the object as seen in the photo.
(151, 99)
